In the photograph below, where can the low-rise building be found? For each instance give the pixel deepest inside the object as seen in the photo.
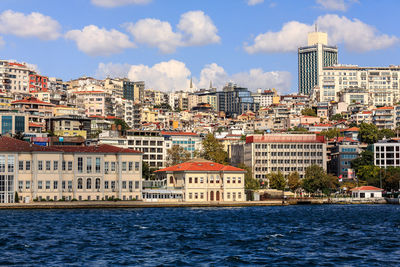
(387, 153)
(197, 180)
(68, 172)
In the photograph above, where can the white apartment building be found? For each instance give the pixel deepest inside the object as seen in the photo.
(381, 83)
(14, 77)
(387, 153)
(266, 98)
(284, 152)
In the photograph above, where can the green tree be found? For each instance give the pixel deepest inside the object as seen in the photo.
(366, 158)
(386, 133)
(391, 178)
(331, 133)
(213, 150)
(243, 137)
(249, 182)
(298, 129)
(316, 179)
(309, 112)
(124, 125)
(368, 133)
(371, 174)
(336, 117)
(16, 197)
(277, 180)
(294, 181)
(177, 154)
(146, 173)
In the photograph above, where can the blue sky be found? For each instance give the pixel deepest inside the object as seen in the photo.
(165, 42)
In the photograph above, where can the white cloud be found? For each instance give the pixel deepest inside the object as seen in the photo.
(99, 42)
(198, 29)
(336, 5)
(116, 3)
(165, 76)
(194, 29)
(354, 34)
(254, 2)
(252, 79)
(32, 25)
(113, 70)
(155, 33)
(2, 42)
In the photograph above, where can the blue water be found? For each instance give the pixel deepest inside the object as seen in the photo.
(353, 235)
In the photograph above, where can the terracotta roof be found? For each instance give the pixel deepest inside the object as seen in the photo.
(352, 129)
(95, 149)
(35, 125)
(200, 166)
(285, 138)
(32, 101)
(384, 108)
(366, 188)
(89, 92)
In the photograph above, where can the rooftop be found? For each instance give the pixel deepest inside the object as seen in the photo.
(200, 165)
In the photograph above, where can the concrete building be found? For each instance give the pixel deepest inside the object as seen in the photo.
(189, 141)
(283, 152)
(366, 192)
(69, 125)
(38, 83)
(384, 118)
(266, 98)
(12, 123)
(197, 181)
(68, 172)
(234, 101)
(387, 153)
(14, 77)
(312, 58)
(343, 151)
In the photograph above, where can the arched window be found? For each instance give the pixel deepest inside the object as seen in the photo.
(217, 196)
(97, 183)
(171, 179)
(212, 195)
(89, 183)
(80, 182)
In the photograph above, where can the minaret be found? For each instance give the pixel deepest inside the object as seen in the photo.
(211, 85)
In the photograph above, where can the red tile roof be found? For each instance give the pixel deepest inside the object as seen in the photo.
(285, 138)
(384, 108)
(366, 188)
(352, 129)
(35, 125)
(200, 166)
(8, 144)
(31, 101)
(89, 92)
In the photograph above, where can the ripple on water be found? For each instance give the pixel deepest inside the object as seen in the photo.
(294, 235)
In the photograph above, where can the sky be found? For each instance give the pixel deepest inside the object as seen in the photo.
(252, 43)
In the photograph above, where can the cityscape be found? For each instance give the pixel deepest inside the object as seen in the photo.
(307, 113)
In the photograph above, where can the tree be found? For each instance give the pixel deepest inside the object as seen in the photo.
(124, 125)
(331, 133)
(146, 173)
(370, 174)
(366, 158)
(213, 150)
(316, 179)
(177, 154)
(386, 133)
(249, 182)
(391, 178)
(368, 133)
(277, 180)
(336, 117)
(309, 112)
(294, 181)
(298, 129)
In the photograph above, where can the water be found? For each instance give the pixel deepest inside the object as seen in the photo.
(353, 235)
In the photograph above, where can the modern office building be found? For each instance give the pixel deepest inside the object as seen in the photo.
(343, 151)
(189, 141)
(12, 123)
(312, 59)
(286, 153)
(197, 180)
(234, 101)
(68, 172)
(387, 153)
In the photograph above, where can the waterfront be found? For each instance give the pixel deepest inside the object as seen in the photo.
(301, 235)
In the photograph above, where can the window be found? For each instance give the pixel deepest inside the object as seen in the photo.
(196, 195)
(106, 166)
(97, 183)
(55, 185)
(130, 166)
(136, 166)
(228, 180)
(40, 165)
(212, 179)
(196, 180)
(28, 184)
(40, 185)
(48, 165)
(228, 195)
(80, 183)
(63, 165)
(20, 185)
(89, 183)
(113, 166)
(47, 184)
(55, 165)
(124, 166)
(112, 184)
(2, 163)
(89, 165)
(69, 184)
(190, 195)
(70, 165)
(106, 185)
(80, 164)
(97, 165)
(63, 185)
(239, 180)
(27, 165)
(233, 180)
(123, 184)
(190, 180)
(136, 184)
(201, 195)
(130, 185)
(201, 180)
(20, 165)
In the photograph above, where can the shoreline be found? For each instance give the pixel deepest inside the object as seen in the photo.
(140, 204)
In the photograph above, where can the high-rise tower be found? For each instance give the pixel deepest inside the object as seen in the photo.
(312, 58)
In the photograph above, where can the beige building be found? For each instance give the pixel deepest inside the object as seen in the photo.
(68, 172)
(197, 180)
